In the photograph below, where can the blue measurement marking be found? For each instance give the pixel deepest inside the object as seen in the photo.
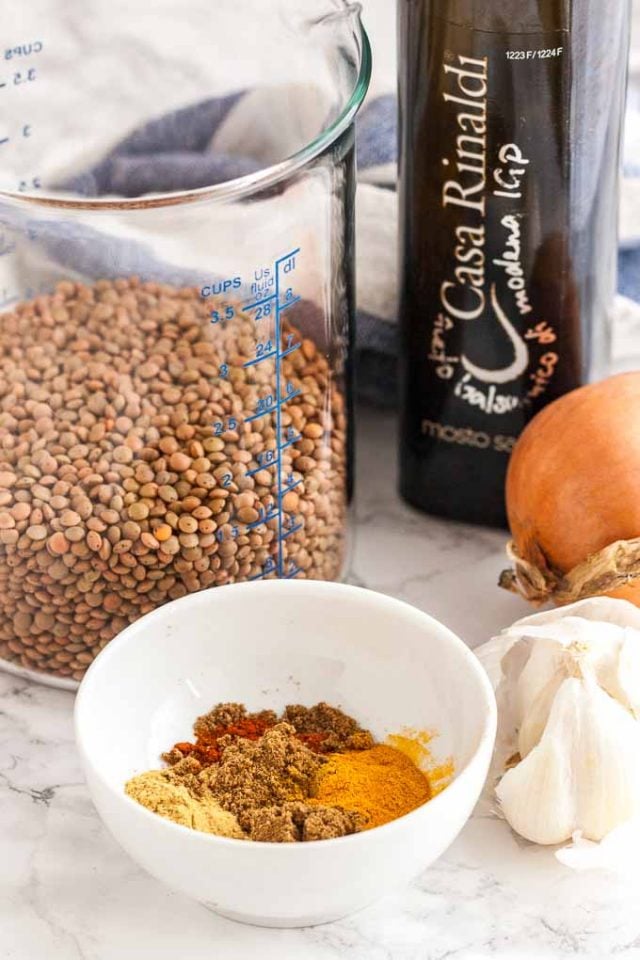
(290, 443)
(263, 466)
(261, 520)
(290, 303)
(291, 486)
(289, 350)
(268, 568)
(278, 335)
(290, 396)
(258, 416)
(277, 401)
(279, 309)
(266, 356)
(4, 140)
(291, 530)
(259, 303)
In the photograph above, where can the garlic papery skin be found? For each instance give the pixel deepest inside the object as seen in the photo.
(567, 762)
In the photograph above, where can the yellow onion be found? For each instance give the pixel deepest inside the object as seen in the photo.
(573, 497)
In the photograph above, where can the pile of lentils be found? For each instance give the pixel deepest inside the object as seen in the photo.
(119, 493)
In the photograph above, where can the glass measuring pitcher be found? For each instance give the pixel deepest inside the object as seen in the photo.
(176, 307)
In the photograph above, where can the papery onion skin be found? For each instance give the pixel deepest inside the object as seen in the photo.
(573, 484)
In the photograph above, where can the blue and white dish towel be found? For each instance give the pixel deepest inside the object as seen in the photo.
(178, 151)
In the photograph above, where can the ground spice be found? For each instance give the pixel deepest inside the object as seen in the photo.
(265, 783)
(322, 728)
(340, 731)
(172, 794)
(312, 774)
(261, 785)
(415, 744)
(223, 722)
(270, 771)
(230, 715)
(379, 784)
(297, 822)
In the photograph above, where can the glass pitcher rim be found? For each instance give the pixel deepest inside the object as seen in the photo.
(242, 186)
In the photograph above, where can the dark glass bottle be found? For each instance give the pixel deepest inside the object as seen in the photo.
(511, 113)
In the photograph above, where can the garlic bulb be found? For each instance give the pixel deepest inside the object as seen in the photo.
(569, 702)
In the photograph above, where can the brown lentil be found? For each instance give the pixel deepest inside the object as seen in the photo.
(115, 494)
(58, 544)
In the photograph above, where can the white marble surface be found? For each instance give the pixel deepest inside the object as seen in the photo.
(70, 893)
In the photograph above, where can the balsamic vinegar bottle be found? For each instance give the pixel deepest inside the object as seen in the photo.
(511, 113)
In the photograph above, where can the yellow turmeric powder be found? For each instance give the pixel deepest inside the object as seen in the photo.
(380, 784)
(415, 744)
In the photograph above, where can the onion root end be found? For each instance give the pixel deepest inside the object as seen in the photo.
(612, 568)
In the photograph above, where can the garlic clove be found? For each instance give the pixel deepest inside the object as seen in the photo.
(537, 686)
(512, 664)
(537, 796)
(621, 678)
(584, 773)
(606, 764)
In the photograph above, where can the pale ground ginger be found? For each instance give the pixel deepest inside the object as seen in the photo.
(162, 792)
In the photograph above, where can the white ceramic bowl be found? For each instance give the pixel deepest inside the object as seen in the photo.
(266, 645)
